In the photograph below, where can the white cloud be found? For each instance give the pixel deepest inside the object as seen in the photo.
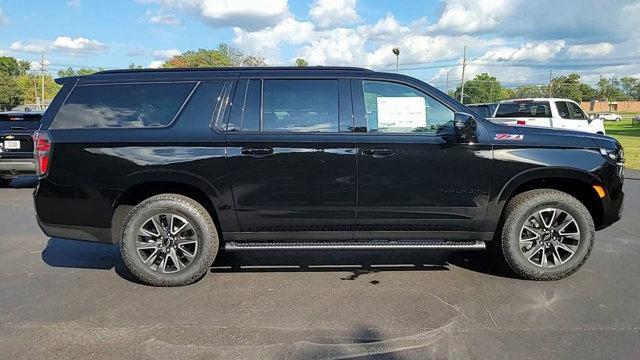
(155, 64)
(590, 50)
(159, 17)
(3, 19)
(165, 54)
(78, 45)
(266, 42)
(528, 51)
(34, 47)
(387, 28)
(468, 16)
(327, 13)
(75, 4)
(246, 14)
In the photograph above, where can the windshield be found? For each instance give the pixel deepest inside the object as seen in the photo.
(524, 109)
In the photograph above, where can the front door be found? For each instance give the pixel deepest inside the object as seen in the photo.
(292, 158)
(414, 179)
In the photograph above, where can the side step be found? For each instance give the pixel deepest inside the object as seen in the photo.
(357, 245)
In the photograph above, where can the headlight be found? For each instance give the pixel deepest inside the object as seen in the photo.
(614, 155)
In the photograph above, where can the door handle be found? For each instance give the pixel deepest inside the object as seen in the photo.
(253, 151)
(378, 153)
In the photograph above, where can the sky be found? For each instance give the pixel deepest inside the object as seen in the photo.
(518, 41)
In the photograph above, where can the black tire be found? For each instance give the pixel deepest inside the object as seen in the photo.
(520, 208)
(201, 223)
(4, 182)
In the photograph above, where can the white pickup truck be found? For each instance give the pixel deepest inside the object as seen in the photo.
(547, 112)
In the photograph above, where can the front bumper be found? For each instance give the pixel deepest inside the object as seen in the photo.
(14, 167)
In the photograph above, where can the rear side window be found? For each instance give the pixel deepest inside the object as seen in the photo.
(122, 105)
(299, 105)
(530, 109)
(563, 110)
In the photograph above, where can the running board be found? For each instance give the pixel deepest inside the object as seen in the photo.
(357, 245)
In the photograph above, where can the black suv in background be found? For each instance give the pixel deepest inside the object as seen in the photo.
(175, 164)
(16, 144)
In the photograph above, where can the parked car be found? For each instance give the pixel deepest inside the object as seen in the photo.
(16, 144)
(175, 164)
(553, 113)
(485, 110)
(609, 117)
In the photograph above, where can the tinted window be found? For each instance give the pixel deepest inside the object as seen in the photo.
(122, 105)
(530, 109)
(563, 110)
(202, 104)
(396, 108)
(251, 111)
(300, 105)
(482, 110)
(576, 111)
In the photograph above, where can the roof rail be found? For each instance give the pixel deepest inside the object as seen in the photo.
(263, 68)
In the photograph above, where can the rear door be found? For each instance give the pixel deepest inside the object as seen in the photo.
(414, 180)
(291, 154)
(16, 130)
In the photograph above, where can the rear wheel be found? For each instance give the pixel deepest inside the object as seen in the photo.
(547, 234)
(169, 240)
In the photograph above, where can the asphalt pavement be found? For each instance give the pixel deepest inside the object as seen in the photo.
(62, 299)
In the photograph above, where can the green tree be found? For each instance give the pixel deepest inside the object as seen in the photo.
(610, 89)
(224, 55)
(68, 72)
(481, 89)
(631, 87)
(301, 62)
(530, 91)
(10, 95)
(30, 87)
(9, 66)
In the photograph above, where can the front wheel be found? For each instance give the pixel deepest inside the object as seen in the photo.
(547, 234)
(168, 240)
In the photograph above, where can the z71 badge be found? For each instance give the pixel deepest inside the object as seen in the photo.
(508, 137)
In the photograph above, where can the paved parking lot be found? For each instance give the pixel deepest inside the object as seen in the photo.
(66, 299)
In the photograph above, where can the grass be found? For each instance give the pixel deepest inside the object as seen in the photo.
(629, 136)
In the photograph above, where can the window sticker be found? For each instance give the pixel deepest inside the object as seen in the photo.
(409, 112)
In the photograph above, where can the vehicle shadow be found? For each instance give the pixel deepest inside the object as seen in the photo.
(66, 253)
(24, 182)
(350, 264)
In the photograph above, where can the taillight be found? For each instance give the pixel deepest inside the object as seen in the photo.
(521, 122)
(42, 152)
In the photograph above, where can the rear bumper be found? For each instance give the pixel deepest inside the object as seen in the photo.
(15, 167)
(83, 233)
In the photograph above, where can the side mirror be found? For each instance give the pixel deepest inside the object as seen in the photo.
(465, 128)
(592, 116)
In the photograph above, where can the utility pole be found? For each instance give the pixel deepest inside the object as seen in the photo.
(35, 88)
(42, 78)
(550, 82)
(464, 65)
(447, 87)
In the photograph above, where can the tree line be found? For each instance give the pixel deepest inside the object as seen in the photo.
(19, 85)
(486, 88)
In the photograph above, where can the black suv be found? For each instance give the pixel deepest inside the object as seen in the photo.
(175, 164)
(16, 144)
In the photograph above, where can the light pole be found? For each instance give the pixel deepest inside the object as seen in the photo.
(396, 51)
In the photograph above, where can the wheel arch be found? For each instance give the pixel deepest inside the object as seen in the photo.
(146, 186)
(575, 182)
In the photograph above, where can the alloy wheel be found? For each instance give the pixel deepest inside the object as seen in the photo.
(167, 243)
(549, 237)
